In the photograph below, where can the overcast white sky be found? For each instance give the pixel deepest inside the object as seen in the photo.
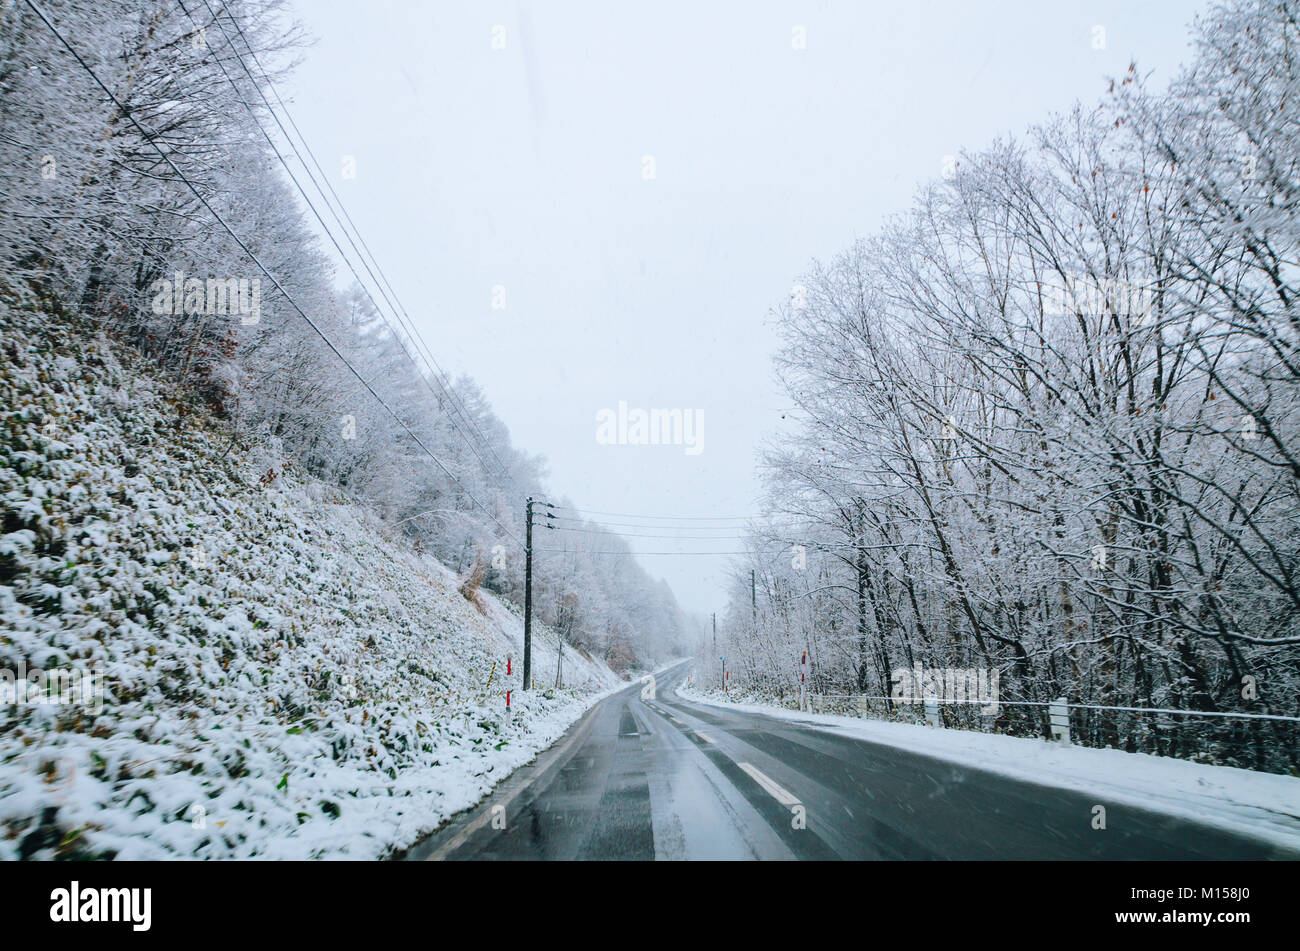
(523, 167)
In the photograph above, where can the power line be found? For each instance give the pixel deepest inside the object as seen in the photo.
(151, 139)
(398, 310)
(609, 527)
(579, 551)
(409, 325)
(784, 546)
(419, 338)
(682, 538)
(712, 518)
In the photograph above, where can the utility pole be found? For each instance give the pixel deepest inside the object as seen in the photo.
(753, 598)
(715, 634)
(528, 595)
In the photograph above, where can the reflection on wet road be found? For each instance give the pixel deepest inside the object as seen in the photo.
(662, 778)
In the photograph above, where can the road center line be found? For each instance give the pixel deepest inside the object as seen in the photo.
(704, 736)
(780, 794)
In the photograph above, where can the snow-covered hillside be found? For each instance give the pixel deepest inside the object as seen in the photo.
(285, 677)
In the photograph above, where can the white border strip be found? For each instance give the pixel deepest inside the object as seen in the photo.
(780, 794)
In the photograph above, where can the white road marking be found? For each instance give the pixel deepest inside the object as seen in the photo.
(780, 794)
(704, 736)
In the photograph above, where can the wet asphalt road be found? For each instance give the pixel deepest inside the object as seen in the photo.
(663, 778)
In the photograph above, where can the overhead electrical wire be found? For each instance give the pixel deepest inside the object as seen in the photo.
(683, 538)
(151, 138)
(398, 309)
(408, 326)
(580, 551)
(686, 533)
(385, 288)
(711, 518)
(455, 401)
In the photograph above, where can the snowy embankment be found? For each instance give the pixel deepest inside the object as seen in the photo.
(285, 677)
(1263, 805)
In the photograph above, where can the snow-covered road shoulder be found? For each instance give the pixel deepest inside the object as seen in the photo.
(1262, 805)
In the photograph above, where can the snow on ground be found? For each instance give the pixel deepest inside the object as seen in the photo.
(286, 678)
(1263, 805)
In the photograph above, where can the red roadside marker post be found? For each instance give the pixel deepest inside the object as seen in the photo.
(803, 687)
